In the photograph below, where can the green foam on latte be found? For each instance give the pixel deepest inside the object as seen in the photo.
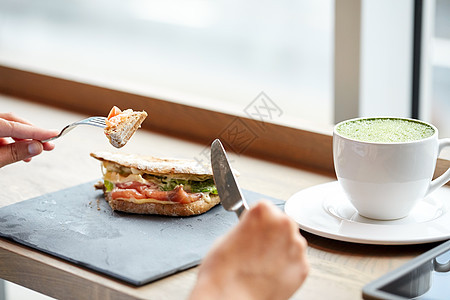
(385, 130)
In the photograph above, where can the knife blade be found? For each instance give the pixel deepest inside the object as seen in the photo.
(229, 192)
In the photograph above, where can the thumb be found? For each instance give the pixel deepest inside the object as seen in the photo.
(18, 151)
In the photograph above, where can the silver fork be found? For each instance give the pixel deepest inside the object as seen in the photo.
(93, 121)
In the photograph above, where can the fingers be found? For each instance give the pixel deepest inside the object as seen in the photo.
(289, 239)
(270, 219)
(266, 210)
(12, 117)
(19, 139)
(263, 213)
(18, 151)
(6, 141)
(20, 130)
(48, 146)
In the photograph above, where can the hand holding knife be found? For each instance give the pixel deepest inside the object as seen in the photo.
(252, 246)
(229, 192)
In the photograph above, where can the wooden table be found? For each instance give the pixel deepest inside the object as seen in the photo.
(339, 270)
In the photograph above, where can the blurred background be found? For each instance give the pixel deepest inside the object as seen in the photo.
(223, 54)
(189, 51)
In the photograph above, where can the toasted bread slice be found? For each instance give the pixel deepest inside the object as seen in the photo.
(155, 165)
(120, 132)
(174, 209)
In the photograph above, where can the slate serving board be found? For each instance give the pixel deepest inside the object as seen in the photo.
(77, 225)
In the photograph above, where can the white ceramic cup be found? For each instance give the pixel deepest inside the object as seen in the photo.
(385, 181)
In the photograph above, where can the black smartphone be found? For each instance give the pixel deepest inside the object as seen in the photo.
(426, 277)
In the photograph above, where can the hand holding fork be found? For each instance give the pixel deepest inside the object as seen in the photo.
(21, 140)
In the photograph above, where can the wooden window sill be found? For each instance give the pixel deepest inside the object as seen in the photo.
(300, 146)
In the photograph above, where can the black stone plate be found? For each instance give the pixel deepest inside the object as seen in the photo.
(77, 225)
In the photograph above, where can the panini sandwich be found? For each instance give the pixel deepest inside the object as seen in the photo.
(150, 185)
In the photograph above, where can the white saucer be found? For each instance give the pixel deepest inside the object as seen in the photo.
(325, 211)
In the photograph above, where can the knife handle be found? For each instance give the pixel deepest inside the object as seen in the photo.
(241, 209)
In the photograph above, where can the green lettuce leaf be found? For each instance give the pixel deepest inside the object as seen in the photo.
(109, 186)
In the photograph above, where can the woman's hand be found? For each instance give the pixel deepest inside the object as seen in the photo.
(263, 257)
(20, 140)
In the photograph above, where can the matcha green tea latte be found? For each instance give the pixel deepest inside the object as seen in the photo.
(385, 130)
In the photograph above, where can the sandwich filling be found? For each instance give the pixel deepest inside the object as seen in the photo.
(116, 116)
(130, 184)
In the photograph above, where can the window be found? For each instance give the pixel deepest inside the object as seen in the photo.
(222, 55)
(439, 101)
(375, 49)
(197, 51)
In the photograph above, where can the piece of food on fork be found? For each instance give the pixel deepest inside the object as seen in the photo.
(121, 125)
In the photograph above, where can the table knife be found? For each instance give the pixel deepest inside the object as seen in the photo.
(229, 192)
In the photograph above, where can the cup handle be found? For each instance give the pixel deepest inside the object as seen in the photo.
(444, 178)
